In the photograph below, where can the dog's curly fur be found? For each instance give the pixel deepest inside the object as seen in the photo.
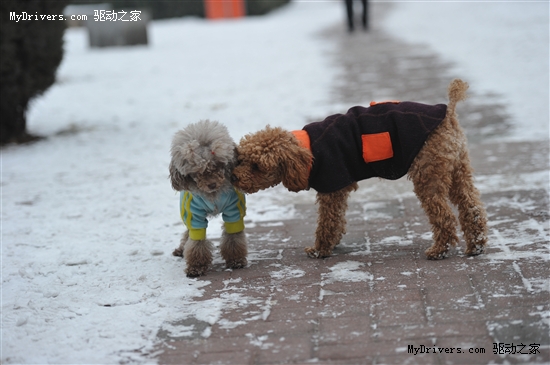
(203, 157)
(440, 172)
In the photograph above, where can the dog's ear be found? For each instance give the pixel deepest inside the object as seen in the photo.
(178, 181)
(295, 163)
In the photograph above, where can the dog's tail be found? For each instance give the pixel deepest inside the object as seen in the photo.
(457, 92)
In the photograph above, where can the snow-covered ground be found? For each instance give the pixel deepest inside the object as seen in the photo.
(88, 217)
(500, 47)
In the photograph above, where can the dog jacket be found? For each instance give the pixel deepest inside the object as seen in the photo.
(379, 141)
(194, 209)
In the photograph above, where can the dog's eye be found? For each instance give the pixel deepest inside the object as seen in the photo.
(255, 167)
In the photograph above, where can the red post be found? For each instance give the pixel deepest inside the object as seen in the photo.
(220, 9)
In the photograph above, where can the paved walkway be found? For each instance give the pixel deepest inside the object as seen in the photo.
(378, 300)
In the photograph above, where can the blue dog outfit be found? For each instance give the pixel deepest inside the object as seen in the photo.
(194, 209)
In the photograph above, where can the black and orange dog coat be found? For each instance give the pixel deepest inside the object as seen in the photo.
(379, 141)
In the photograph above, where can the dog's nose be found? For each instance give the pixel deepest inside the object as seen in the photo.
(234, 178)
(212, 186)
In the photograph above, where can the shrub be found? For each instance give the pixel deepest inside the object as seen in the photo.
(30, 52)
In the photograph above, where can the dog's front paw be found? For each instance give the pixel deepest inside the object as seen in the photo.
(178, 252)
(195, 271)
(237, 264)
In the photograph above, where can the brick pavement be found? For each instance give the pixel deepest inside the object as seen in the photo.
(378, 296)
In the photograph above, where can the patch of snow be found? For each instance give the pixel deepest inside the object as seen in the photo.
(287, 273)
(396, 239)
(371, 210)
(259, 341)
(347, 271)
(510, 182)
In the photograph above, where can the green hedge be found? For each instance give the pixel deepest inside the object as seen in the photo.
(30, 52)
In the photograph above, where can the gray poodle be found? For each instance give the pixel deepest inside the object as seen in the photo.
(203, 158)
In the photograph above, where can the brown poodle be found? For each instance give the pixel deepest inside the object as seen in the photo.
(386, 140)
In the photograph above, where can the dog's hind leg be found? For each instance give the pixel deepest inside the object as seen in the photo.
(472, 214)
(331, 222)
(434, 201)
(431, 174)
(234, 249)
(198, 256)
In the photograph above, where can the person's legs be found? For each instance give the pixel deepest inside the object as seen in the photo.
(349, 10)
(365, 17)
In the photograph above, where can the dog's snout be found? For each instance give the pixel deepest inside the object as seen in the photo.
(234, 178)
(212, 186)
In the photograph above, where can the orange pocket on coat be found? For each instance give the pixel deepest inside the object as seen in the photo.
(377, 147)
